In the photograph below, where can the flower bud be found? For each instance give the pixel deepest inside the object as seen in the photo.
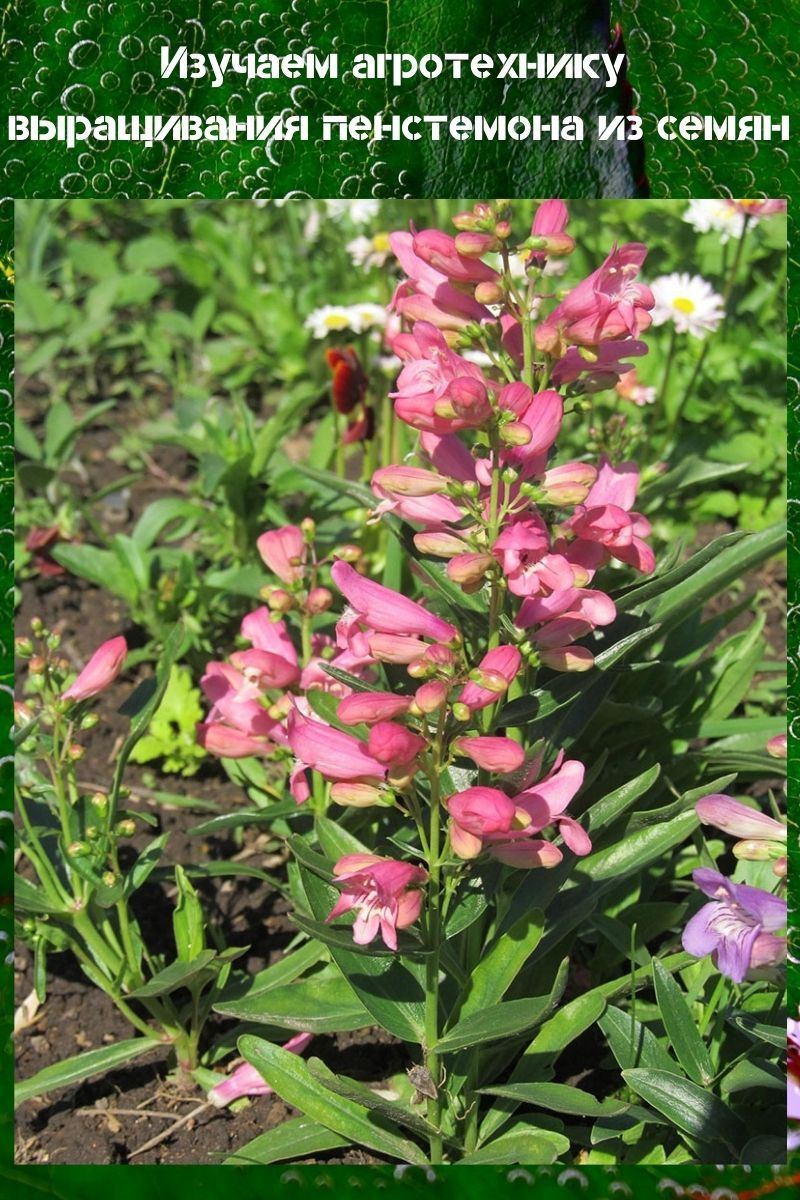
(53, 641)
(443, 545)
(461, 712)
(393, 744)
(125, 828)
(515, 433)
(466, 221)
(280, 601)
(76, 752)
(777, 746)
(22, 714)
(467, 569)
(100, 672)
(109, 879)
(490, 293)
(421, 668)
(99, 802)
(568, 484)
(78, 850)
(23, 647)
(37, 665)
(779, 867)
(348, 553)
(319, 600)
(431, 696)
(474, 245)
(88, 721)
(567, 658)
(493, 681)
(410, 481)
(37, 627)
(309, 528)
(353, 794)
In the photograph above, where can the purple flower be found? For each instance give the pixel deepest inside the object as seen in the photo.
(737, 927)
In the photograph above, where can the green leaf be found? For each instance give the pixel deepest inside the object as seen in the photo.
(322, 1003)
(296, 1138)
(682, 1034)
(188, 921)
(292, 965)
(524, 1144)
(145, 864)
(690, 1108)
(499, 1021)
(272, 433)
(502, 962)
(178, 974)
(161, 513)
(632, 1043)
(290, 1077)
(369, 1099)
(753, 1073)
(100, 567)
(759, 1031)
(246, 816)
(558, 1097)
(615, 803)
(638, 849)
(83, 1066)
(141, 711)
(728, 566)
(31, 899)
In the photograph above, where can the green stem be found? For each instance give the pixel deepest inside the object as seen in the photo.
(673, 341)
(434, 943)
(726, 297)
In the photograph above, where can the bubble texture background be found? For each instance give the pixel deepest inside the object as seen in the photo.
(685, 56)
(103, 58)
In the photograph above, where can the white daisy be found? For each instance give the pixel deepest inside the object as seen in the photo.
(689, 301)
(370, 251)
(367, 316)
(359, 212)
(716, 215)
(331, 318)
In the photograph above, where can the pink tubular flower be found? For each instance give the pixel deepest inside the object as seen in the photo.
(607, 364)
(497, 754)
(428, 294)
(284, 552)
(476, 814)
(757, 208)
(541, 414)
(608, 304)
(605, 520)
(393, 744)
(386, 611)
(546, 801)
(567, 484)
(226, 741)
(738, 819)
(337, 756)
(409, 481)
(368, 707)
(738, 927)
(439, 251)
(497, 670)
(415, 494)
(523, 551)
(236, 701)
(385, 892)
(246, 1081)
(430, 367)
(100, 672)
(265, 669)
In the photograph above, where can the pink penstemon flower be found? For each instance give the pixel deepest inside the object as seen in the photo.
(385, 893)
(284, 551)
(100, 671)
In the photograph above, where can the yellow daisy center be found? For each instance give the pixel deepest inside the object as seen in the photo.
(380, 242)
(684, 304)
(335, 321)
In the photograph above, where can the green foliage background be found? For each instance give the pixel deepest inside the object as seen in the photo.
(685, 55)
